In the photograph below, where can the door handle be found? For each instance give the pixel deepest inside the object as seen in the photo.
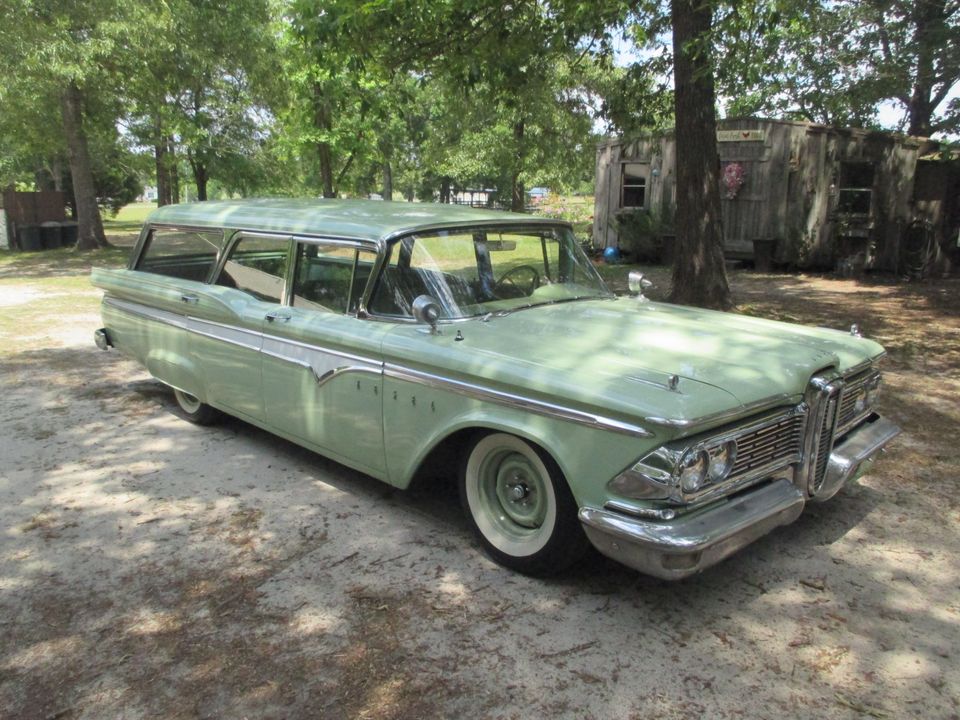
(278, 317)
(189, 299)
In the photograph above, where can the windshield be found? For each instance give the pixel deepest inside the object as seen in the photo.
(475, 271)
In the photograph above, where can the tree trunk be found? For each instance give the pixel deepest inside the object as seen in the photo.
(200, 176)
(699, 275)
(173, 170)
(387, 181)
(90, 234)
(445, 189)
(518, 200)
(163, 181)
(322, 121)
(926, 14)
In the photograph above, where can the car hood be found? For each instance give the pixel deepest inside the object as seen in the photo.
(618, 355)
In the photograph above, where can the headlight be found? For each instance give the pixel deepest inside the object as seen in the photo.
(721, 460)
(693, 471)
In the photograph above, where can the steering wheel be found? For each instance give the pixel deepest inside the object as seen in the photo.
(513, 284)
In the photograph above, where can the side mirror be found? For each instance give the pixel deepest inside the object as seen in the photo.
(638, 283)
(427, 310)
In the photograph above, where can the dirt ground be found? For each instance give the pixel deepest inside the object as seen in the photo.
(151, 568)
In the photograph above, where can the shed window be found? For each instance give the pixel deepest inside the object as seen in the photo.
(856, 188)
(633, 187)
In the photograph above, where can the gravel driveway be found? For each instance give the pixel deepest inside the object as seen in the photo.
(151, 568)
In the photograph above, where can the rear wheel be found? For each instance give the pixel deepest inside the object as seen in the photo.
(519, 505)
(194, 410)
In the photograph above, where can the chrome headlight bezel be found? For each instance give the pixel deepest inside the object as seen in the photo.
(658, 475)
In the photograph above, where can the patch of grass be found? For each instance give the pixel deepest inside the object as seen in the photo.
(130, 217)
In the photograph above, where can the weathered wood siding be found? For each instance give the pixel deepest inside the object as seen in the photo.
(790, 192)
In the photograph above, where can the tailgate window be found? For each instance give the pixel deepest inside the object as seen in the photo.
(187, 254)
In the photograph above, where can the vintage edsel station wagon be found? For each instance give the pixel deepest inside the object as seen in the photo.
(387, 335)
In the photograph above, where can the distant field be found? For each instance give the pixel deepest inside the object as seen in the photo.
(125, 227)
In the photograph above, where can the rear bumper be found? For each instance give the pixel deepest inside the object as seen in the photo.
(102, 339)
(690, 543)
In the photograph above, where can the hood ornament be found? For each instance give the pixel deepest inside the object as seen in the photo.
(673, 381)
(855, 330)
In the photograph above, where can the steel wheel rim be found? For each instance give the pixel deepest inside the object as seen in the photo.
(510, 495)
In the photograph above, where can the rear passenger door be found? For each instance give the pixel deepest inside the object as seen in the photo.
(322, 369)
(228, 318)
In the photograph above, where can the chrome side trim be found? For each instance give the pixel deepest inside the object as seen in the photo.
(325, 365)
(343, 370)
(241, 337)
(518, 402)
(148, 313)
(321, 361)
(732, 414)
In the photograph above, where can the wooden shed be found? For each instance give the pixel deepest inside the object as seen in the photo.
(823, 197)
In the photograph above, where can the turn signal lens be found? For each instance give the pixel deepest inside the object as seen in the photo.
(693, 471)
(721, 461)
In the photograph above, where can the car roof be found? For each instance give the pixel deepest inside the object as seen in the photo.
(374, 220)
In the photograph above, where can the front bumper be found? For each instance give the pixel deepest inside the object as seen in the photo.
(690, 543)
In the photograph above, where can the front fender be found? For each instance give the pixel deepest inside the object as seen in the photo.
(418, 419)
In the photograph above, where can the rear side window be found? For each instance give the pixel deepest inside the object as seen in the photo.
(257, 266)
(187, 254)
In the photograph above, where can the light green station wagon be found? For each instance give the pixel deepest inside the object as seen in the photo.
(391, 335)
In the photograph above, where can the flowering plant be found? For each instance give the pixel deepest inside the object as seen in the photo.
(733, 178)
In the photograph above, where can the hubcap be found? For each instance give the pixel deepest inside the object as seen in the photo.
(510, 494)
(513, 492)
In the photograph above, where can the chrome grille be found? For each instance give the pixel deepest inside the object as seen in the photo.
(825, 438)
(775, 444)
(854, 391)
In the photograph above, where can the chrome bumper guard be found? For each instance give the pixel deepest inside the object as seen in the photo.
(855, 453)
(101, 339)
(684, 546)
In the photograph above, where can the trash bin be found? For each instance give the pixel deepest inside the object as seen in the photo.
(763, 251)
(28, 237)
(50, 235)
(68, 233)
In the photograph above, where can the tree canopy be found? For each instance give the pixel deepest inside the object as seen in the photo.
(416, 99)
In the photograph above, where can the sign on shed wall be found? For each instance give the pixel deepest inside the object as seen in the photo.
(741, 135)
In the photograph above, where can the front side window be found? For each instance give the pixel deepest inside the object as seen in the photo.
(187, 254)
(257, 266)
(330, 277)
(474, 271)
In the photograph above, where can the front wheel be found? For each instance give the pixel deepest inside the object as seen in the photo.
(519, 505)
(194, 410)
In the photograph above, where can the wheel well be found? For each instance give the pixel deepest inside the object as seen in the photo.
(443, 461)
